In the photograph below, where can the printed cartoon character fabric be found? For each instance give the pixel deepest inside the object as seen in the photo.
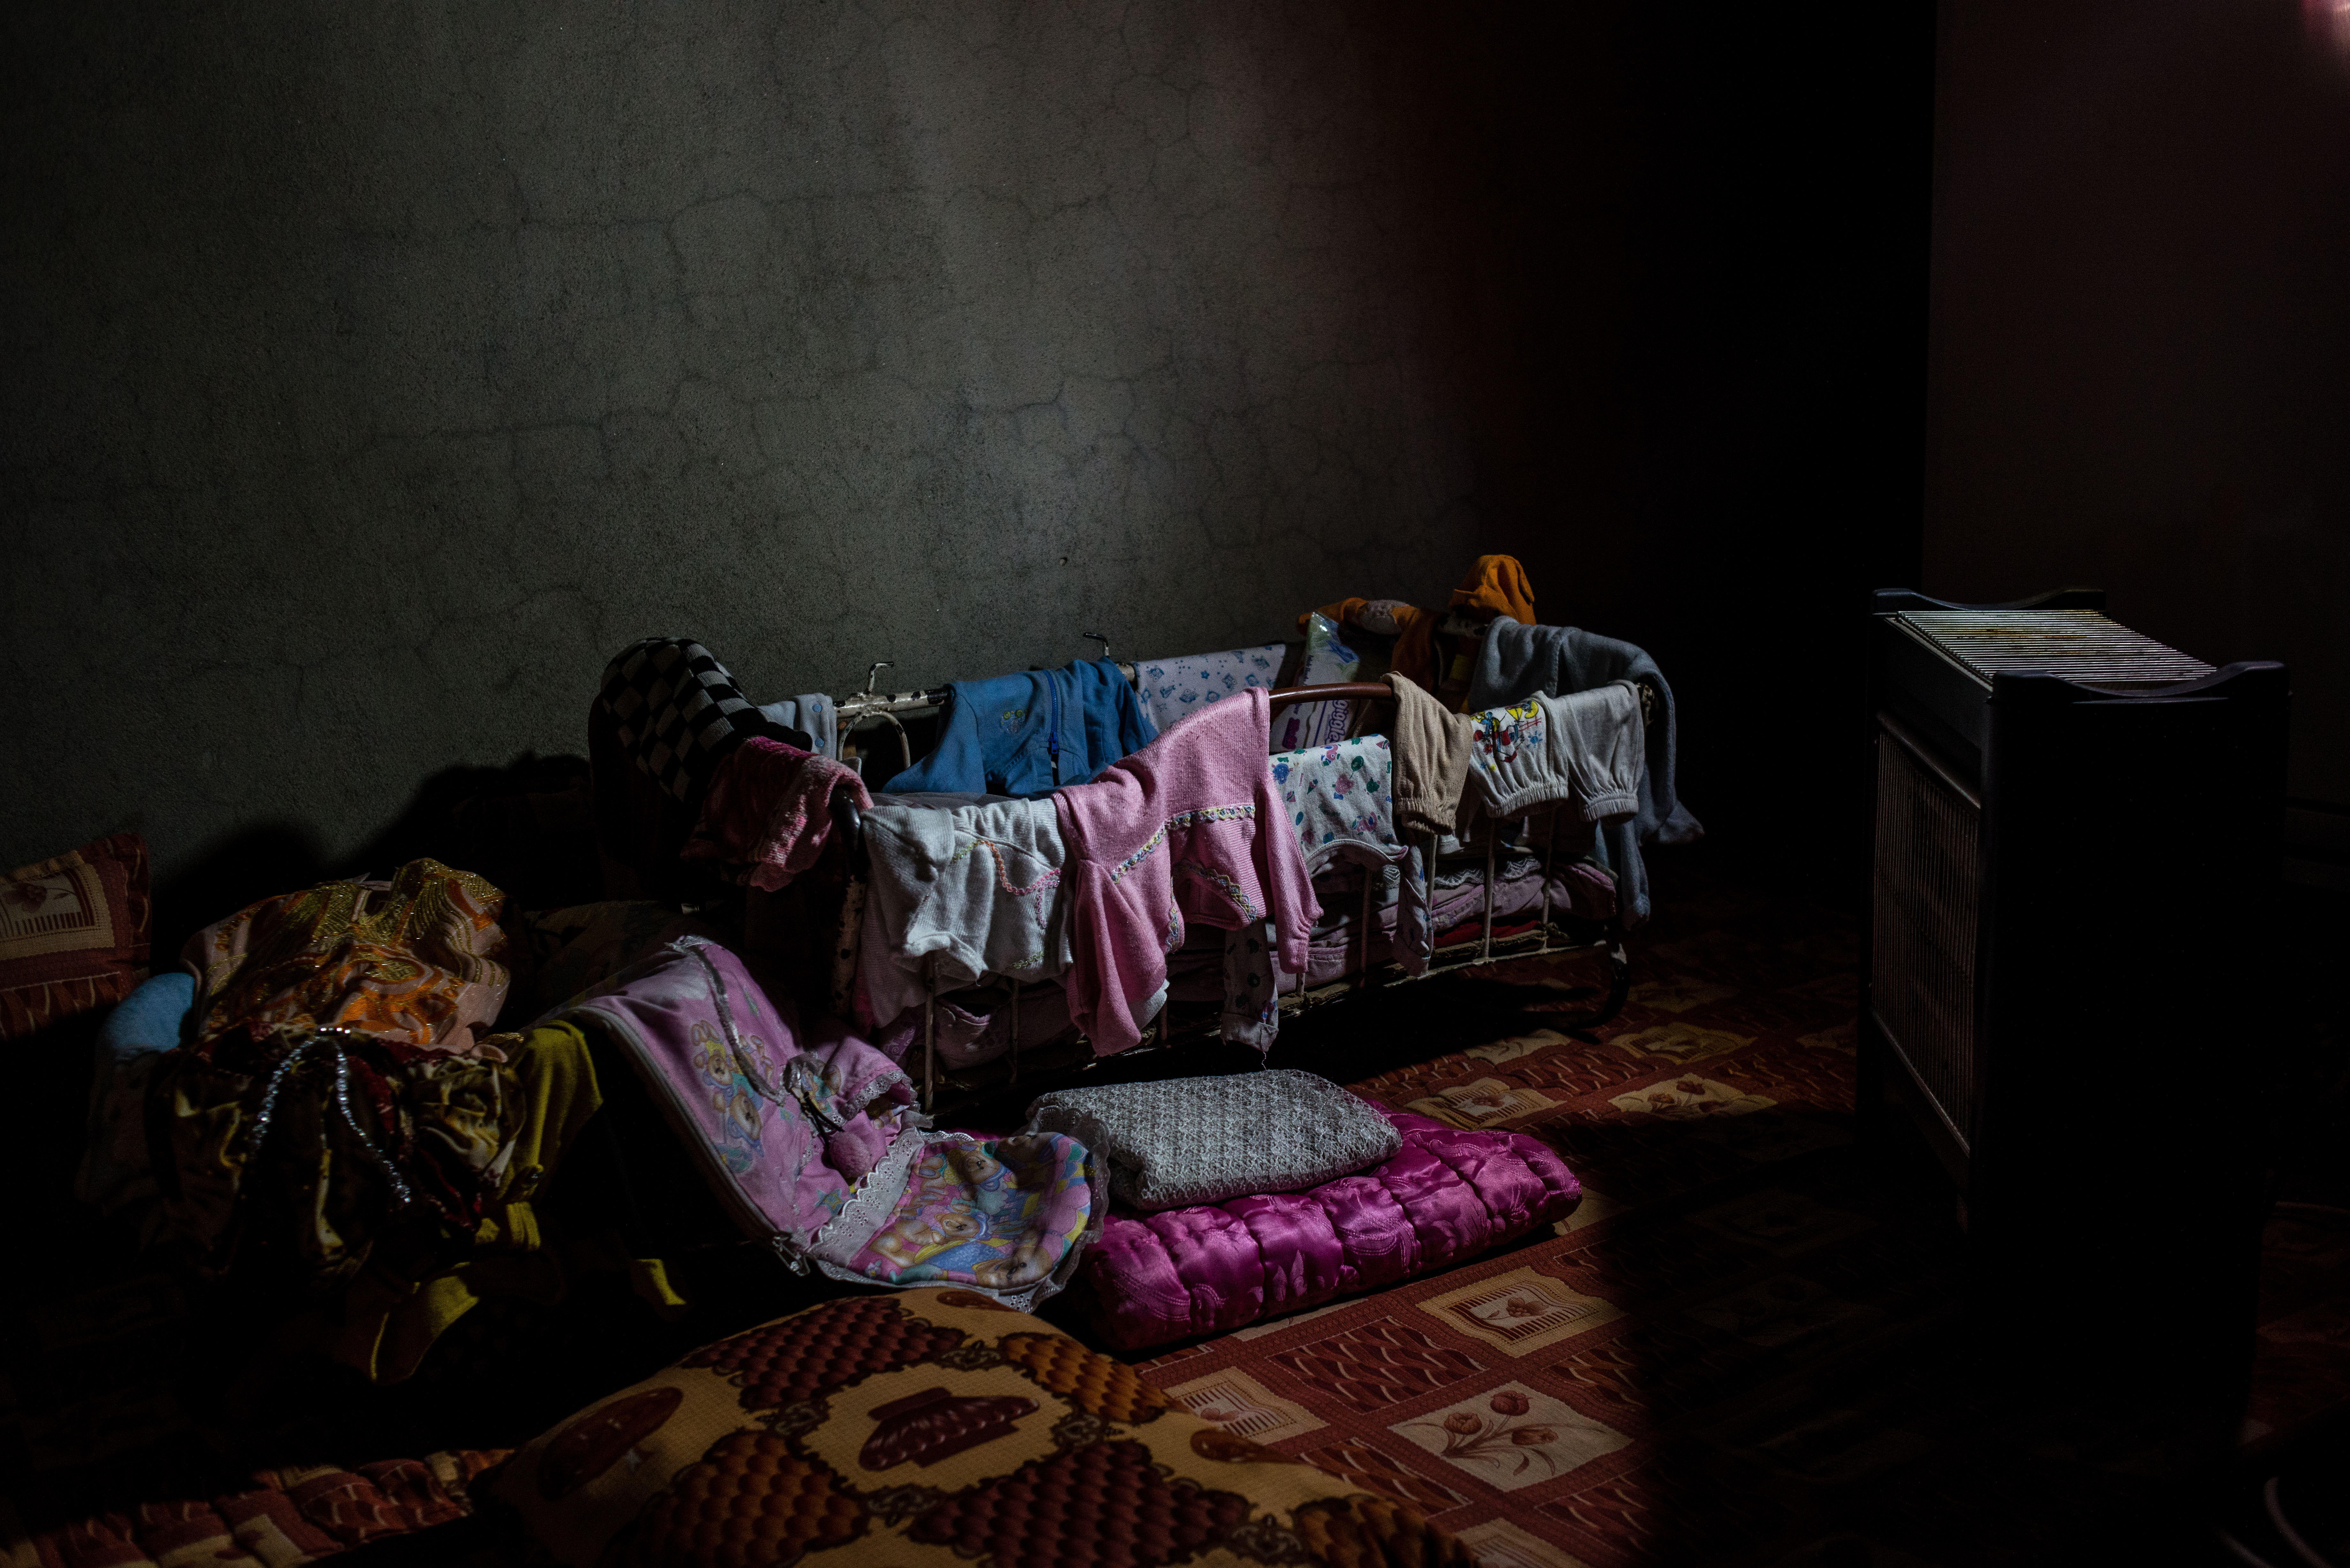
(728, 1067)
(416, 962)
(932, 1428)
(1446, 1196)
(1189, 829)
(1175, 689)
(807, 1139)
(1584, 748)
(768, 811)
(1519, 659)
(998, 1214)
(74, 933)
(1030, 733)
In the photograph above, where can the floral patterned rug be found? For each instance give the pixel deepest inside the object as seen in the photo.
(1743, 1347)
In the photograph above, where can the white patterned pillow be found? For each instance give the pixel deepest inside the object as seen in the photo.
(1182, 1141)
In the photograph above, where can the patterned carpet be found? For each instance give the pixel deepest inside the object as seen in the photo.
(1745, 1346)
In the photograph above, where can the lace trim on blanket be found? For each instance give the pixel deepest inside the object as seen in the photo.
(1179, 822)
(872, 1202)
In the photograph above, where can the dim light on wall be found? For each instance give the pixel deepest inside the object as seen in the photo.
(2329, 25)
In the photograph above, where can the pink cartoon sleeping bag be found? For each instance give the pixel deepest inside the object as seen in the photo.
(808, 1139)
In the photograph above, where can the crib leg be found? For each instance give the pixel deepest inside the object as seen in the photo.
(930, 1038)
(1550, 859)
(1493, 832)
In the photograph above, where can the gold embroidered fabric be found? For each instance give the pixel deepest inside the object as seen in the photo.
(415, 961)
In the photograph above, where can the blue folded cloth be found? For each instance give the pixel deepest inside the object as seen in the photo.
(148, 1019)
(1028, 734)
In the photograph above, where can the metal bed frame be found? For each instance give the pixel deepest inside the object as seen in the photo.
(1363, 976)
(867, 708)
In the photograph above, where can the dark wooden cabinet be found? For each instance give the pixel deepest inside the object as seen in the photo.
(2076, 840)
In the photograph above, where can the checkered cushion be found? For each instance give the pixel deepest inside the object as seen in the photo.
(679, 710)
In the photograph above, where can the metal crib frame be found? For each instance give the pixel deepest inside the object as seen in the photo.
(1364, 977)
(1159, 1034)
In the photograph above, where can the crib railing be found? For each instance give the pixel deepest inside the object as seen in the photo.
(1548, 938)
(1535, 943)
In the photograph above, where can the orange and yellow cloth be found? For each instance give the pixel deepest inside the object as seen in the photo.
(1495, 585)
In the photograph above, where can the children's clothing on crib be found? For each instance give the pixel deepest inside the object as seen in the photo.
(1518, 660)
(768, 811)
(1338, 800)
(813, 713)
(970, 885)
(1189, 829)
(1432, 757)
(1030, 733)
(1584, 748)
(1174, 688)
(1496, 586)
(1341, 806)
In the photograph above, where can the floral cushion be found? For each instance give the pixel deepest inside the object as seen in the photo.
(74, 933)
(931, 1427)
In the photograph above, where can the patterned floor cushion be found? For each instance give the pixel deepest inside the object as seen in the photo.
(931, 1427)
(1446, 1196)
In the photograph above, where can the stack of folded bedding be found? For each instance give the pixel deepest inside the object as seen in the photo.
(1579, 889)
(1271, 1192)
(986, 1024)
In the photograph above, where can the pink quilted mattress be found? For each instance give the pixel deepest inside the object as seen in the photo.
(1446, 1196)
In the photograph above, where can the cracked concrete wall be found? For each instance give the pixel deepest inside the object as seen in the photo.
(375, 373)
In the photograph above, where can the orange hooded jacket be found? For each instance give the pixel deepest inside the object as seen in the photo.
(1495, 585)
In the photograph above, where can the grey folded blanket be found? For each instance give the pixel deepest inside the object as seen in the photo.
(1184, 1141)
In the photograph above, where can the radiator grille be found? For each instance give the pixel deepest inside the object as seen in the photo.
(1929, 891)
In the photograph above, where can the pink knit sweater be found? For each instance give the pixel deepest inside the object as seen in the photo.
(1188, 829)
